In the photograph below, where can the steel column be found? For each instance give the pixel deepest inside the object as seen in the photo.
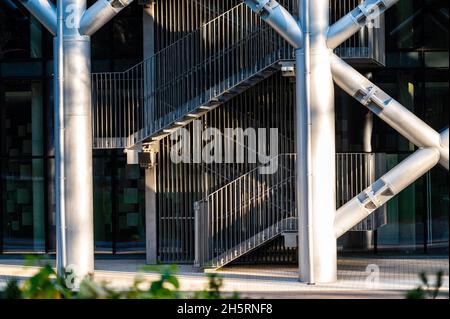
(73, 131)
(77, 141)
(316, 147)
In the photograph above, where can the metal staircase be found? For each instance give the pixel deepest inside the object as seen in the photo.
(254, 209)
(223, 58)
(201, 71)
(185, 80)
(285, 143)
(245, 214)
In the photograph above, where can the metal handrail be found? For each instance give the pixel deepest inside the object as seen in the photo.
(235, 46)
(217, 58)
(187, 36)
(252, 171)
(221, 216)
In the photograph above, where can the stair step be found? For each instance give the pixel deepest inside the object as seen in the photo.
(206, 108)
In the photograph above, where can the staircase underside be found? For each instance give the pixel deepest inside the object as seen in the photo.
(284, 226)
(218, 100)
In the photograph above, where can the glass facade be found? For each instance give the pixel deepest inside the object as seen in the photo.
(27, 217)
(416, 75)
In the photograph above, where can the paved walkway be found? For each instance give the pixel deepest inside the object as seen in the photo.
(358, 277)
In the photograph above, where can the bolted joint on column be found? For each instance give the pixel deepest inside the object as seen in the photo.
(279, 19)
(374, 197)
(359, 17)
(99, 14)
(373, 98)
(368, 11)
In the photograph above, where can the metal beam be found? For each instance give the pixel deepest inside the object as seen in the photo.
(100, 13)
(352, 22)
(279, 19)
(386, 108)
(44, 11)
(385, 189)
(315, 147)
(73, 131)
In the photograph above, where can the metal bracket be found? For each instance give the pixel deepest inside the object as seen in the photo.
(290, 240)
(147, 158)
(371, 198)
(288, 69)
(133, 154)
(366, 11)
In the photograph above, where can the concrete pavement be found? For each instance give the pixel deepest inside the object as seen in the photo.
(358, 277)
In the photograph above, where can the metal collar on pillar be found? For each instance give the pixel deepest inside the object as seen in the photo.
(316, 145)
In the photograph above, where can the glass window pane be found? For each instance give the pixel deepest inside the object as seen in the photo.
(22, 119)
(438, 193)
(103, 214)
(22, 205)
(130, 192)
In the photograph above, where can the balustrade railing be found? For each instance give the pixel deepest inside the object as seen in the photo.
(255, 207)
(130, 106)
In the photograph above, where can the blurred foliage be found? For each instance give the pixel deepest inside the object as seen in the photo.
(426, 290)
(46, 284)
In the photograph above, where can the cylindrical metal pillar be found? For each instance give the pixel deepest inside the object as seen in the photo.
(58, 114)
(316, 147)
(77, 157)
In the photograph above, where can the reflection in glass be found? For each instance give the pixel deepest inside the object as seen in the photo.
(103, 215)
(130, 208)
(23, 180)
